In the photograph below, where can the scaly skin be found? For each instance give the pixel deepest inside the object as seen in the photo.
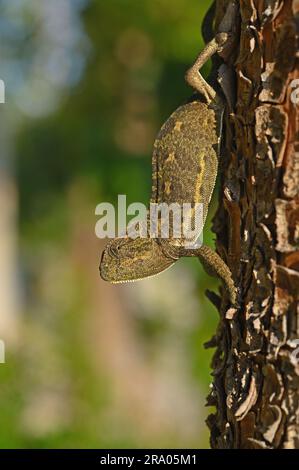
(185, 158)
(184, 170)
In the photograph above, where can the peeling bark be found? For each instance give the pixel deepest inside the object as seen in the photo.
(255, 368)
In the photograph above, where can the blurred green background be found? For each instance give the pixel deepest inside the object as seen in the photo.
(88, 84)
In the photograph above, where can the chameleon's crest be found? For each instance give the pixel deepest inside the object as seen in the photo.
(127, 260)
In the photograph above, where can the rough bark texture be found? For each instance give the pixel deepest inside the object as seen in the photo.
(256, 373)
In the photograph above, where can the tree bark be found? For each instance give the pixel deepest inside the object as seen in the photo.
(256, 366)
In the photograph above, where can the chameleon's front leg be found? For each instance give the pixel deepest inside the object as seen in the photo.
(216, 267)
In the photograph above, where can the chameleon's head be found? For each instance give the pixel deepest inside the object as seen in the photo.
(126, 260)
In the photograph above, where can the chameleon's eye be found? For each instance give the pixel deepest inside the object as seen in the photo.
(114, 251)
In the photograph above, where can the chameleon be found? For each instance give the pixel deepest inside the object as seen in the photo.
(184, 170)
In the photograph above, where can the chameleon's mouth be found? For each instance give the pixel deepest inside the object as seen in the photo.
(103, 268)
(110, 270)
(130, 281)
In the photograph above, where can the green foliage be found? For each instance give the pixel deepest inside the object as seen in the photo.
(97, 145)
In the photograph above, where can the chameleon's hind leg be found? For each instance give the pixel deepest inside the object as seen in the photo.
(216, 267)
(221, 40)
(193, 75)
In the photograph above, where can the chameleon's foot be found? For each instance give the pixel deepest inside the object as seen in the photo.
(216, 267)
(221, 40)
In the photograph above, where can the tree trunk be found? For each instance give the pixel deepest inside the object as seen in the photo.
(256, 363)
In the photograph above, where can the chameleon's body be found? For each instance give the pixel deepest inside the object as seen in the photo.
(185, 161)
(184, 170)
